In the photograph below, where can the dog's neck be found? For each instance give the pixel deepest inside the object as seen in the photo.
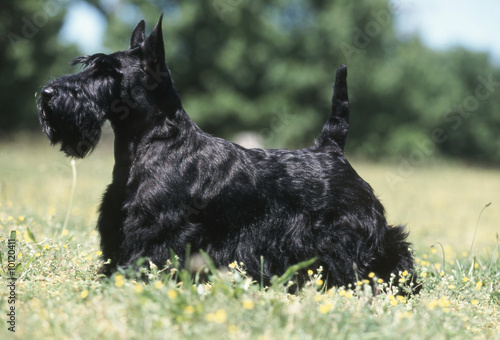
(165, 124)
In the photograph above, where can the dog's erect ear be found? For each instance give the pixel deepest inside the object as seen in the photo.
(153, 50)
(138, 35)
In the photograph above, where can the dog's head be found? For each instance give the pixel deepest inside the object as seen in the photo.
(123, 87)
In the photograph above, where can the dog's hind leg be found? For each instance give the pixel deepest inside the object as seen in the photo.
(337, 127)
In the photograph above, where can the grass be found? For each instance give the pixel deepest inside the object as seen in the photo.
(59, 295)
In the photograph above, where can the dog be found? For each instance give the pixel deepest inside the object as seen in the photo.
(176, 187)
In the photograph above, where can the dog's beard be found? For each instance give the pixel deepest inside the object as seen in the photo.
(77, 129)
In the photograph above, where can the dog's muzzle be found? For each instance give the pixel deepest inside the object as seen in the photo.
(47, 93)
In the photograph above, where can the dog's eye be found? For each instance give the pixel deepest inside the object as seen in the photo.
(108, 66)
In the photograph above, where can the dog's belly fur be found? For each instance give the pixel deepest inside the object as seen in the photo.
(286, 206)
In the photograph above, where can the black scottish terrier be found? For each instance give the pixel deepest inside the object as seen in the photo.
(174, 185)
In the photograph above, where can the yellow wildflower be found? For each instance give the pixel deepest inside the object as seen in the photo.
(172, 293)
(84, 294)
(432, 305)
(119, 281)
(325, 308)
(248, 304)
(404, 315)
(371, 275)
(158, 284)
(319, 297)
(220, 316)
(189, 309)
(444, 302)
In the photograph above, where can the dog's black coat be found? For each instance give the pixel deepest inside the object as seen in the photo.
(175, 185)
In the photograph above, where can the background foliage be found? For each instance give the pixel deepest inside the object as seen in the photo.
(268, 67)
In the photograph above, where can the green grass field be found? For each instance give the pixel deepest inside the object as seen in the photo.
(59, 295)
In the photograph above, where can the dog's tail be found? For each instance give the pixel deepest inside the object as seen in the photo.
(337, 126)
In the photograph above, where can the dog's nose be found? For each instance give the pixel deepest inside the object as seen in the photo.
(48, 92)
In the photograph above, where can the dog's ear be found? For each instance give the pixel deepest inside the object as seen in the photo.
(153, 50)
(138, 35)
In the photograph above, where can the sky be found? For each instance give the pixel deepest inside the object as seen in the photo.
(445, 23)
(440, 23)
(88, 39)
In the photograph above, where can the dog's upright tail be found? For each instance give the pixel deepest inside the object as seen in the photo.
(337, 126)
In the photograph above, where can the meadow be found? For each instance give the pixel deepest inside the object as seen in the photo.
(58, 294)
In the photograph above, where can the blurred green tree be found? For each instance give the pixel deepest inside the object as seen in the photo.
(268, 67)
